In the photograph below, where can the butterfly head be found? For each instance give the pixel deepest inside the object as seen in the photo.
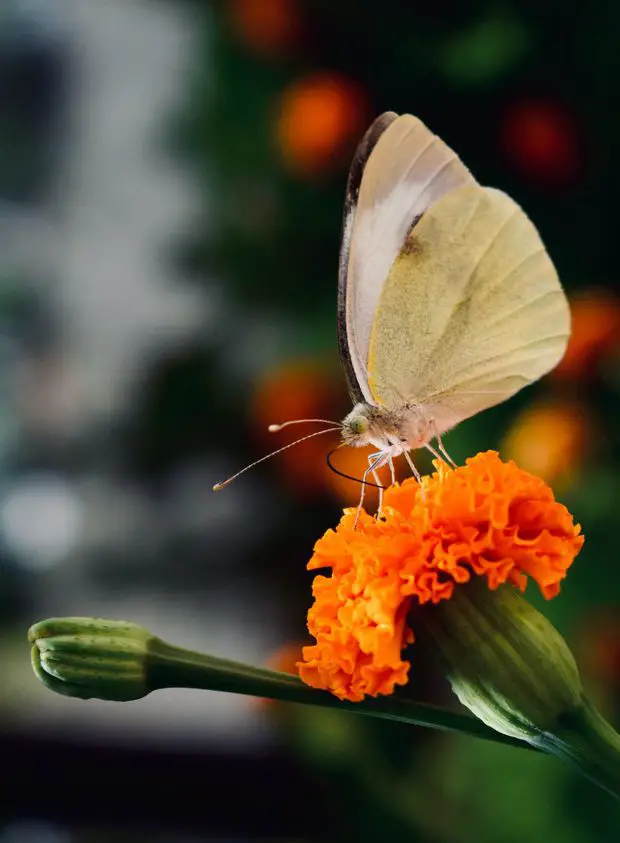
(359, 426)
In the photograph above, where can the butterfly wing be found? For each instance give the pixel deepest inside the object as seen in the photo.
(399, 170)
(356, 171)
(471, 312)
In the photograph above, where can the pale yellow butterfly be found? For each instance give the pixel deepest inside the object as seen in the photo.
(448, 302)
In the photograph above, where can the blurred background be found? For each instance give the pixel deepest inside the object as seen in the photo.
(171, 184)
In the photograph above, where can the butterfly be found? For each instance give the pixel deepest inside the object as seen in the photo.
(448, 302)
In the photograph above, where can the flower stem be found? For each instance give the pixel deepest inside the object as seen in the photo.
(585, 740)
(175, 667)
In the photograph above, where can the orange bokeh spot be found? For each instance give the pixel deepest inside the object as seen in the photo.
(320, 118)
(354, 462)
(308, 389)
(597, 647)
(270, 27)
(550, 440)
(595, 334)
(285, 658)
(300, 390)
(540, 140)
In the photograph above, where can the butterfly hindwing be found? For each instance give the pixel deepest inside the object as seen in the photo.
(472, 310)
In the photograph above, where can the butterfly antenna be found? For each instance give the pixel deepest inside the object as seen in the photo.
(274, 428)
(224, 483)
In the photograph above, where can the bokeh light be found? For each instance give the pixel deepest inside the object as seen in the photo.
(269, 27)
(320, 118)
(540, 139)
(552, 440)
(40, 520)
(595, 336)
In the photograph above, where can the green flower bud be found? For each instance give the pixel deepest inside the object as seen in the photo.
(88, 657)
(506, 663)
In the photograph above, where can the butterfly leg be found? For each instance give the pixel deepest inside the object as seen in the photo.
(375, 461)
(377, 480)
(414, 470)
(434, 452)
(443, 451)
(415, 473)
(387, 460)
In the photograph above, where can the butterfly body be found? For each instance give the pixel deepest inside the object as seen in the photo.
(391, 431)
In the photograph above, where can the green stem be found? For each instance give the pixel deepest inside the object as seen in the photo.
(586, 741)
(118, 660)
(175, 667)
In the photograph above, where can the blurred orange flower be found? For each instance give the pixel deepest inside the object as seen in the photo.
(320, 118)
(488, 518)
(267, 26)
(299, 390)
(551, 440)
(540, 138)
(309, 389)
(595, 334)
(600, 646)
(285, 660)
(598, 650)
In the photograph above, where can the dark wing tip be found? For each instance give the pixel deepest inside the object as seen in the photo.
(362, 154)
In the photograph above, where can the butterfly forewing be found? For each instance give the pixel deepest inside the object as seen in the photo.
(400, 170)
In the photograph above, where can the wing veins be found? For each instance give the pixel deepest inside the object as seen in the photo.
(522, 306)
(540, 250)
(455, 313)
(450, 387)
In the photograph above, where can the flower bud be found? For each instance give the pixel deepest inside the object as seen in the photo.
(506, 663)
(89, 657)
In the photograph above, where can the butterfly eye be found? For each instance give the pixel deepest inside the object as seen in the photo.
(358, 425)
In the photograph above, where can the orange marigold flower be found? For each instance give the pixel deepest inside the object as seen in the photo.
(487, 518)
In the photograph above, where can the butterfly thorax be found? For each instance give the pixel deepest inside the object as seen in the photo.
(390, 430)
